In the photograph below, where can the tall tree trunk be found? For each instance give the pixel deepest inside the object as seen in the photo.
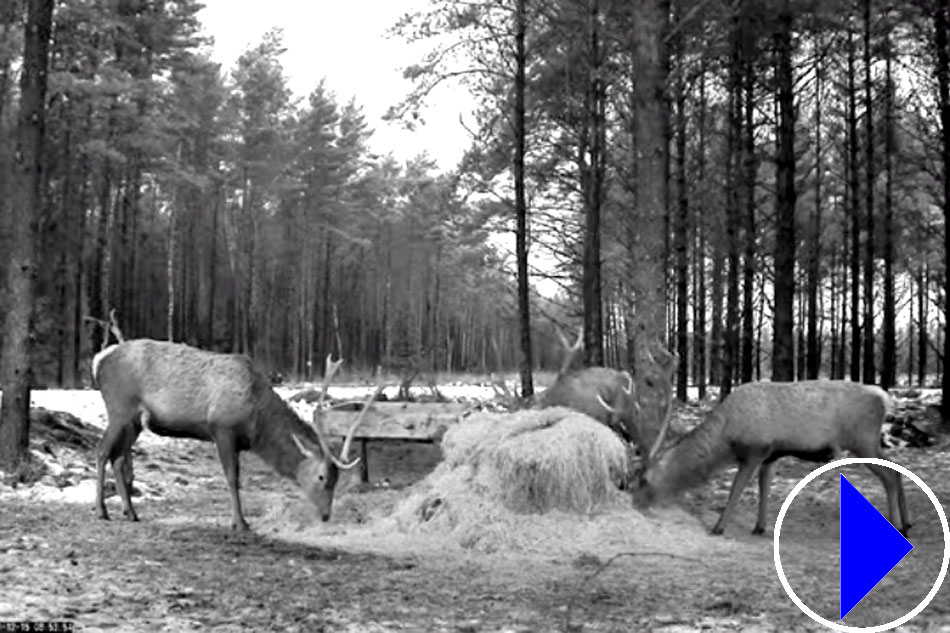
(699, 343)
(813, 349)
(835, 341)
(889, 360)
(783, 352)
(680, 228)
(15, 374)
(733, 215)
(750, 168)
(650, 19)
(869, 375)
(942, 40)
(593, 190)
(521, 204)
(854, 213)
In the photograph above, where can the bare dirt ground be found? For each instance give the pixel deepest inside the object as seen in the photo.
(181, 568)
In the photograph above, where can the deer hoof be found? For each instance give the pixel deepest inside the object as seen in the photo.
(758, 530)
(103, 515)
(240, 526)
(716, 531)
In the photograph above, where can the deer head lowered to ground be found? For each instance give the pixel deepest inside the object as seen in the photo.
(761, 422)
(179, 391)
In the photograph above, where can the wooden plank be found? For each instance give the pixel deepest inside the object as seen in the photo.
(398, 421)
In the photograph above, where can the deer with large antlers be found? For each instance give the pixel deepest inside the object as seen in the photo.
(180, 391)
(605, 394)
(761, 422)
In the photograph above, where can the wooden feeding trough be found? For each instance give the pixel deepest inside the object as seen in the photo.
(395, 421)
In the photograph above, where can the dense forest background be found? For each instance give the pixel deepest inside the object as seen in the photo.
(795, 221)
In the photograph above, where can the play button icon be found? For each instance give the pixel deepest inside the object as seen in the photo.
(870, 547)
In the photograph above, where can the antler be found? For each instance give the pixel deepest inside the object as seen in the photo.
(627, 391)
(572, 350)
(345, 452)
(320, 428)
(331, 368)
(114, 326)
(664, 427)
(319, 425)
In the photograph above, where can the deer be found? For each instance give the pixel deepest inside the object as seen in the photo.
(607, 395)
(176, 390)
(761, 422)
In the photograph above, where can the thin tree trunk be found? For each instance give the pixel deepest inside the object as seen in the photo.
(889, 360)
(869, 374)
(783, 351)
(813, 349)
(941, 19)
(699, 343)
(680, 228)
(521, 205)
(750, 168)
(592, 184)
(855, 214)
(733, 216)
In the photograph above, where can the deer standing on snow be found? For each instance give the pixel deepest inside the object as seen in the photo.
(761, 422)
(180, 391)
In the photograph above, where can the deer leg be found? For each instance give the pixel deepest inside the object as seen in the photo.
(766, 470)
(228, 454)
(746, 468)
(122, 466)
(897, 505)
(111, 444)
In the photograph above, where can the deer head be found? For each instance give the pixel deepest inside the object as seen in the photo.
(319, 471)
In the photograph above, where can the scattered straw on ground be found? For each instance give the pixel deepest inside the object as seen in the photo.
(533, 482)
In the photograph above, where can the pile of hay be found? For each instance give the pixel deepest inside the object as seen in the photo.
(538, 460)
(509, 479)
(541, 482)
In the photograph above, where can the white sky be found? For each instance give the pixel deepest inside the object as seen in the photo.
(346, 43)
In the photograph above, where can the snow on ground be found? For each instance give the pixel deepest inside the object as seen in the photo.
(70, 475)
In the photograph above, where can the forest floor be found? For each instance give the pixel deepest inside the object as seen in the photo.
(181, 568)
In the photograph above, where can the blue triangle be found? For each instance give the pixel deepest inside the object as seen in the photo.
(870, 547)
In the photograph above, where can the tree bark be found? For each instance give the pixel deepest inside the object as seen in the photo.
(700, 340)
(869, 374)
(889, 359)
(18, 334)
(521, 204)
(813, 348)
(783, 358)
(941, 36)
(749, 169)
(650, 18)
(733, 215)
(592, 185)
(680, 228)
(855, 214)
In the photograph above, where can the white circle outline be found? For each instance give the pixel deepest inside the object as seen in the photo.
(946, 544)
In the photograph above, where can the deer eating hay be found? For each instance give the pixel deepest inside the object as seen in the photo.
(761, 422)
(605, 394)
(180, 391)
